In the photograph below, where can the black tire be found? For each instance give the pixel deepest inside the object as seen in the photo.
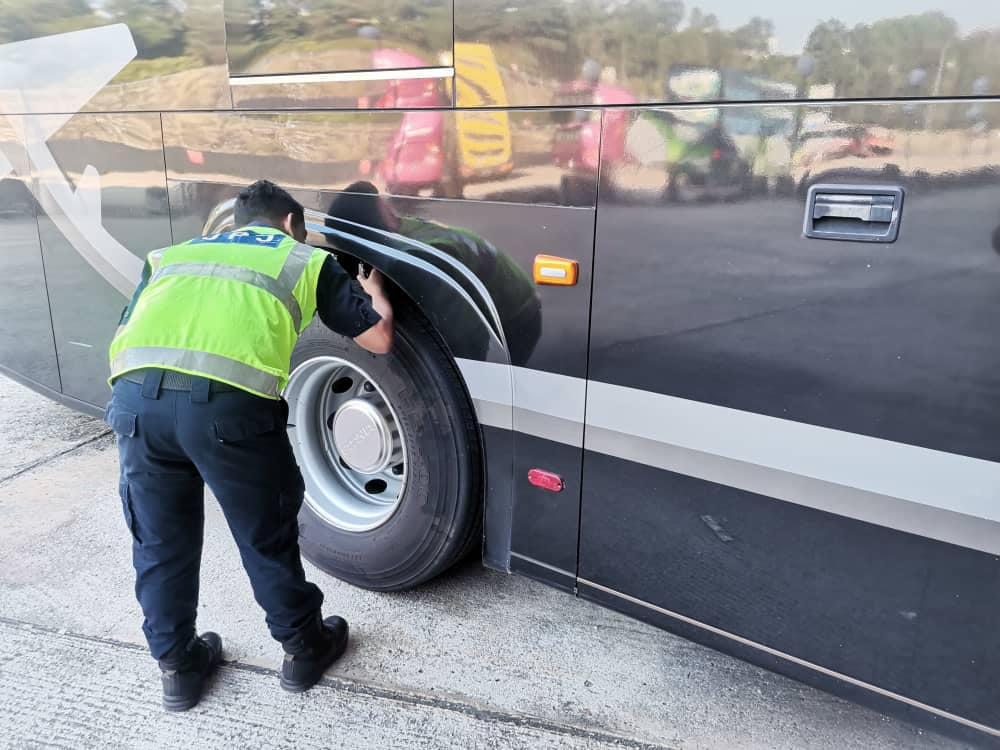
(439, 519)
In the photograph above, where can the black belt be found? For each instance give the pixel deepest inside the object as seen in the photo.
(176, 381)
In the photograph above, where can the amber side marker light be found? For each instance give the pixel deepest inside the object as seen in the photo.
(550, 269)
(546, 480)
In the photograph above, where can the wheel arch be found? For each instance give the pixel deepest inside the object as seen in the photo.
(449, 295)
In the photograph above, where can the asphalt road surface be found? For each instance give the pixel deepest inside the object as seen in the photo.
(475, 660)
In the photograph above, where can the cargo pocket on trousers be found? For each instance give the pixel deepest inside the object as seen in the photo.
(122, 422)
(126, 497)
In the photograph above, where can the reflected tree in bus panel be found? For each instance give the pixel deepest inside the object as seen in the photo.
(619, 51)
(178, 60)
(266, 37)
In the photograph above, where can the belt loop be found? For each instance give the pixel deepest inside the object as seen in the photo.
(151, 383)
(200, 389)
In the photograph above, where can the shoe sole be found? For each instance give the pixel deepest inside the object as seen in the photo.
(176, 705)
(297, 687)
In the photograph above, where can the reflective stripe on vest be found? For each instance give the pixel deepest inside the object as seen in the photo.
(220, 312)
(282, 287)
(231, 371)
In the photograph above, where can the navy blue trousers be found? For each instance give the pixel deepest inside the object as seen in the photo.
(171, 444)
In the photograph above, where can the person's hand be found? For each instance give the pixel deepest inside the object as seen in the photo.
(373, 283)
(378, 338)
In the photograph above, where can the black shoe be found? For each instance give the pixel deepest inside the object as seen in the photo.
(309, 654)
(186, 668)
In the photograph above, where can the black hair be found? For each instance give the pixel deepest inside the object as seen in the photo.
(358, 203)
(265, 201)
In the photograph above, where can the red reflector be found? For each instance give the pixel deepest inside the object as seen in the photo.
(546, 480)
(717, 154)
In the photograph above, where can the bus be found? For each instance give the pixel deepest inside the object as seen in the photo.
(765, 419)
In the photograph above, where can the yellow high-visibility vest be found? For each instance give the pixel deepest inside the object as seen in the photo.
(229, 307)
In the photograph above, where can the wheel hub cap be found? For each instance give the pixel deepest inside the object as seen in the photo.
(362, 436)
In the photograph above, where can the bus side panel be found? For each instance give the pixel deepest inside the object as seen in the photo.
(792, 441)
(26, 345)
(899, 611)
(94, 239)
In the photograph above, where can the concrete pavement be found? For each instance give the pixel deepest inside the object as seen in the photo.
(475, 659)
(97, 696)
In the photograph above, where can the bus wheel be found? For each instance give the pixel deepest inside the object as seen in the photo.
(390, 456)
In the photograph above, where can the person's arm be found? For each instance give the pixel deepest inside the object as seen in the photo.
(378, 338)
(346, 311)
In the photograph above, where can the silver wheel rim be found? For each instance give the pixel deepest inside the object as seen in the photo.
(347, 442)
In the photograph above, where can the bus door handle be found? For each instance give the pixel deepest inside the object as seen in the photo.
(854, 213)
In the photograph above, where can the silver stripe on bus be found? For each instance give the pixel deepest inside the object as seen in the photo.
(221, 368)
(903, 514)
(489, 382)
(351, 75)
(278, 288)
(540, 564)
(793, 659)
(881, 467)
(938, 495)
(548, 405)
(493, 414)
(548, 427)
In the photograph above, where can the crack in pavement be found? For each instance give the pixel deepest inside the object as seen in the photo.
(372, 690)
(30, 466)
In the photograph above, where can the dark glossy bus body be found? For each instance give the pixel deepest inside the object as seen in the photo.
(787, 447)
